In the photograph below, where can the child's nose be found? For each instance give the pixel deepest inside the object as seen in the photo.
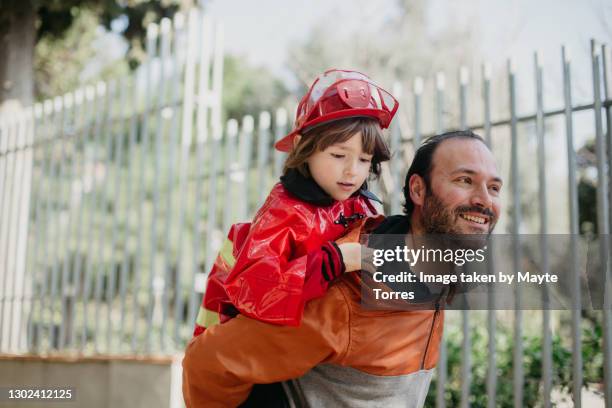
(351, 167)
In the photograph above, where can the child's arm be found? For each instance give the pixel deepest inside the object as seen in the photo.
(269, 281)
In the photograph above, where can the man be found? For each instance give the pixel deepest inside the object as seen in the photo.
(341, 354)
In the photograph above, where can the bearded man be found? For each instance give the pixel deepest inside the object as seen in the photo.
(343, 355)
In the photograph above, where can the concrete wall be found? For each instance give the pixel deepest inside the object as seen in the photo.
(102, 382)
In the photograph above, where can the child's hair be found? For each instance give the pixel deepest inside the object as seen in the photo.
(321, 137)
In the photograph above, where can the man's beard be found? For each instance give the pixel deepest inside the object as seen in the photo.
(442, 222)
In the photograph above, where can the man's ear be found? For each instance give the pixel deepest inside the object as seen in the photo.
(417, 189)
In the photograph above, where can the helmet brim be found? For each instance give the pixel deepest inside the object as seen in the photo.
(286, 143)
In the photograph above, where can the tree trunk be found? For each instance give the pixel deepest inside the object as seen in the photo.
(17, 40)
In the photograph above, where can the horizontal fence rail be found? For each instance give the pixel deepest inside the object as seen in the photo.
(114, 200)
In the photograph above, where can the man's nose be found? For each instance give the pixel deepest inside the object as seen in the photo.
(481, 197)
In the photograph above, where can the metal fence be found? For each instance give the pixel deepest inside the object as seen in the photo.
(101, 203)
(115, 198)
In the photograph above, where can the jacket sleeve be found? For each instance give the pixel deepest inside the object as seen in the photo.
(271, 279)
(222, 364)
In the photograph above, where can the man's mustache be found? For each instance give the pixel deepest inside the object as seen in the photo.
(476, 209)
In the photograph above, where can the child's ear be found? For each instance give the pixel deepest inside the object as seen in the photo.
(416, 189)
(296, 140)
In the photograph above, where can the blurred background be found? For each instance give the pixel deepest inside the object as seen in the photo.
(133, 133)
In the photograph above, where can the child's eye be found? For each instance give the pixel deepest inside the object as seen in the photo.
(365, 160)
(337, 156)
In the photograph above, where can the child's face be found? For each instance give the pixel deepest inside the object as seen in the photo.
(341, 168)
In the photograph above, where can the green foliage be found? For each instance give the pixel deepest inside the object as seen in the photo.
(532, 365)
(61, 59)
(248, 90)
(67, 30)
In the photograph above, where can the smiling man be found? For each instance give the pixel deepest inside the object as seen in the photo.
(452, 186)
(343, 355)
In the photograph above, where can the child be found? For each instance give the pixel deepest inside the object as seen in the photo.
(269, 268)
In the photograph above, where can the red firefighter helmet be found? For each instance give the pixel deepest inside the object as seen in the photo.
(339, 94)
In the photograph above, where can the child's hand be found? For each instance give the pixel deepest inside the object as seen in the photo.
(351, 254)
(355, 256)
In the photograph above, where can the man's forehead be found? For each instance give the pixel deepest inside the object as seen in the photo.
(464, 155)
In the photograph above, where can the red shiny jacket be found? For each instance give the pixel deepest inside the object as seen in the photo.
(269, 268)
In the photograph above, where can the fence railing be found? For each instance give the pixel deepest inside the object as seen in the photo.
(114, 200)
(98, 212)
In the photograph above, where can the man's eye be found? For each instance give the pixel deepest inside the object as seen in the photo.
(495, 188)
(465, 180)
(337, 156)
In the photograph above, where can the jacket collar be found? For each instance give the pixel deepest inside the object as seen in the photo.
(306, 189)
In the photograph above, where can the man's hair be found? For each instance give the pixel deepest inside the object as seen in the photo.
(422, 163)
(321, 137)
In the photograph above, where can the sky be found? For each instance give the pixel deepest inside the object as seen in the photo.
(265, 30)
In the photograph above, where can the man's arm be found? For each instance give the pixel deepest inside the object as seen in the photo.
(222, 364)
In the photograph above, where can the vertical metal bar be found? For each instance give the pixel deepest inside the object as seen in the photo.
(608, 109)
(204, 102)
(50, 255)
(130, 198)
(152, 33)
(418, 91)
(442, 369)
(85, 127)
(5, 126)
(229, 170)
(246, 134)
(175, 79)
(605, 59)
(56, 221)
(263, 151)
(186, 141)
(518, 375)
(397, 157)
(217, 132)
(63, 237)
(491, 303)
(486, 97)
(102, 208)
(23, 221)
(6, 242)
(602, 220)
(20, 149)
(439, 118)
(74, 283)
(117, 135)
(65, 295)
(40, 299)
(37, 144)
(211, 215)
(280, 130)
(156, 284)
(97, 96)
(463, 82)
(573, 214)
(92, 256)
(23, 308)
(545, 268)
(466, 360)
